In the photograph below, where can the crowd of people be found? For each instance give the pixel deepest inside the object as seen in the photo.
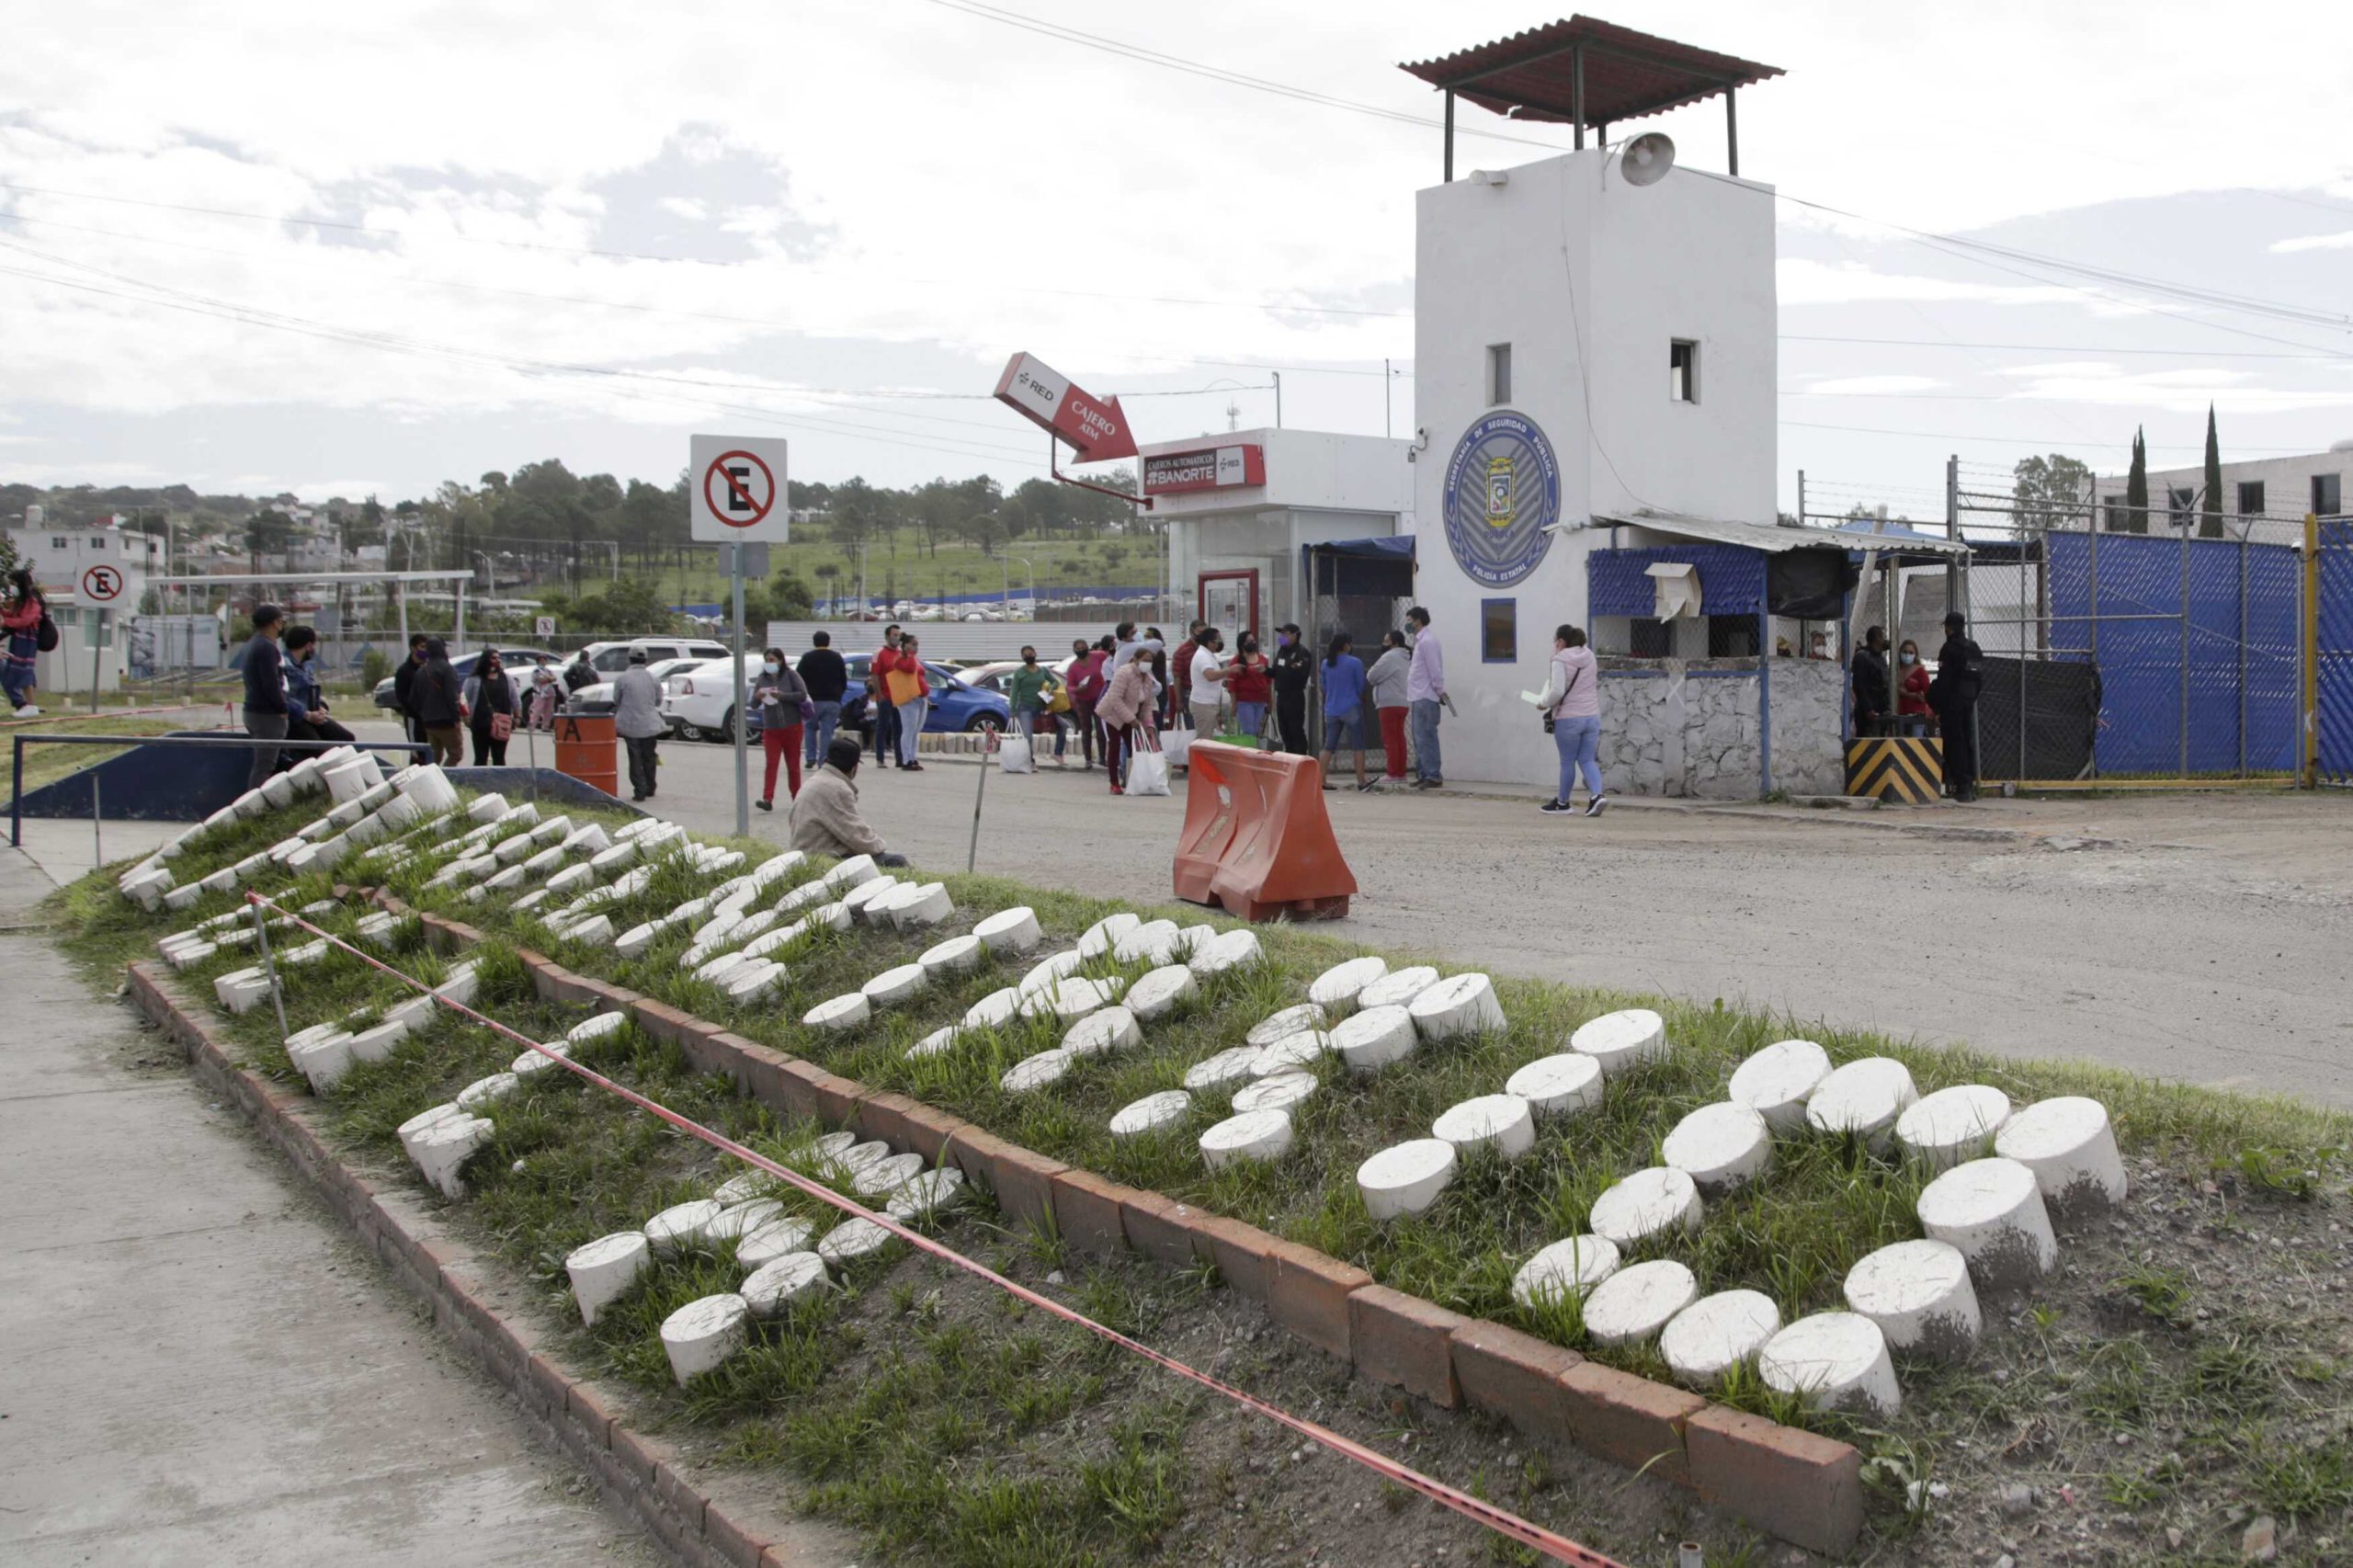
(1905, 700)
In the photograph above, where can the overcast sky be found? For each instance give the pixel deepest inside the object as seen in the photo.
(795, 217)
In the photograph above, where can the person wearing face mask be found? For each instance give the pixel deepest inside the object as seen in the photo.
(1246, 681)
(1387, 677)
(1087, 682)
(1290, 669)
(306, 709)
(1205, 679)
(1869, 668)
(879, 706)
(1912, 714)
(1029, 690)
(781, 698)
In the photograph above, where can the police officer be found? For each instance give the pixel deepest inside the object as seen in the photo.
(1953, 694)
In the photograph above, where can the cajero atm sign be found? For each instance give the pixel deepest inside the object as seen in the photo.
(1210, 468)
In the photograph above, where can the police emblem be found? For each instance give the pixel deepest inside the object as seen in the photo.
(1499, 536)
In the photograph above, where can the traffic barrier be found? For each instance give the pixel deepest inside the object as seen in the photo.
(1908, 769)
(1256, 838)
(586, 748)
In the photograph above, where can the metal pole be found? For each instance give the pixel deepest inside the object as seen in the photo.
(457, 634)
(98, 820)
(1763, 701)
(988, 745)
(17, 795)
(1450, 136)
(742, 775)
(2091, 552)
(1731, 133)
(1278, 397)
(1384, 398)
(261, 936)
(2242, 640)
(2308, 708)
(1800, 497)
(97, 649)
(1576, 91)
(2182, 676)
(531, 749)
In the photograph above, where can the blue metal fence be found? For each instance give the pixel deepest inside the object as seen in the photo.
(2333, 652)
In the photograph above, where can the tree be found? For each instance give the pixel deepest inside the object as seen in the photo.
(2049, 493)
(2136, 487)
(267, 532)
(790, 598)
(2210, 513)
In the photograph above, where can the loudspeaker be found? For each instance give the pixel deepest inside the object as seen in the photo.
(1646, 158)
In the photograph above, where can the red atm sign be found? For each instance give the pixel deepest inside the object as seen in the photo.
(1211, 468)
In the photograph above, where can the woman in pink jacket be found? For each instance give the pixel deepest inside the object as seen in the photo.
(1571, 703)
(1129, 699)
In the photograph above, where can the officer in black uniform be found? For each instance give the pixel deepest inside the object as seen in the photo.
(1953, 694)
(1292, 666)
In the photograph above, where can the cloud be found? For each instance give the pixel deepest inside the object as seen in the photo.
(1870, 386)
(2314, 241)
(2174, 391)
(1806, 282)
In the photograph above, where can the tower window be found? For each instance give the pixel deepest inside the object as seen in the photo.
(1498, 373)
(1683, 370)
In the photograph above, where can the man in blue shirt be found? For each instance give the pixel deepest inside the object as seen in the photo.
(265, 691)
(306, 717)
(1341, 674)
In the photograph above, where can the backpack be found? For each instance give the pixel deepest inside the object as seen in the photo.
(45, 638)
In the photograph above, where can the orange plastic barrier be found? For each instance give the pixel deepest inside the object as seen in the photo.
(586, 749)
(1256, 839)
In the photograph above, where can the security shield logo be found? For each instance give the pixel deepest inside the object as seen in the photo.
(1502, 492)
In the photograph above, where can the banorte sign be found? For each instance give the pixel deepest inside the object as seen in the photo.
(1095, 427)
(1208, 468)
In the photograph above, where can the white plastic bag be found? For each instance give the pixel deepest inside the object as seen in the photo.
(1148, 773)
(1013, 753)
(1177, 745)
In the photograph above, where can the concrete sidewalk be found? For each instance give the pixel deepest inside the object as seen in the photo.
(197, 1365)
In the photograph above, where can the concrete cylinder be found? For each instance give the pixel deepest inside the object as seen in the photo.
(681, 1225)
(1502, 1124)
(851, 1240)
(1993, 1211)
(1837, 1361)
(1104, 933)
(1647, 1204)
(1570, 1268)
(1253, 1135)
(1638, 1301)
(1778, 1080)
(431, 790)
(953, 956)
(1953, 1125)
(527, 1062)
(1227, 950)
(596, 931)
(753, 981)
(1050, 971)
(1372, 1039)
(486, 1091)
(938, 1042)
(1458, 1004)
(603, 1270)
(1919, 1294)
(1561, 1084)
(1621, 1041)
(1231, 1065)
(776, 1284)
(324, 1059)
(1008, 931)
(1033, 1073)
(1407, 1178)
(1160, 993)
(779, 1238)
(839, 1012)
(702, 1334)
(1298, 1050)
(376, 1044)
(850, 872)
(1338, 986)
(1715, 1333)
(1398, 987)
(442, 1149)
(1276, 1091)
(1285, 1022)
(241, 990)
(1073, 999)
(897, 986)
(1154, 942)
(1098, 1034)
(1862, 1099)
(993, 1010)
(1154, 1113)
(596, 1028)
(424, 1121)
(925, 1195)
(278, 792)
(2069, 1145)
(1720, 1146)
(887, 1174)
(922, 906)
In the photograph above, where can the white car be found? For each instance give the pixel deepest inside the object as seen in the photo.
(602, 691)
(697, 701)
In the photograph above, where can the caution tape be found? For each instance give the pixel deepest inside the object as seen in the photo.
(1500, 1520)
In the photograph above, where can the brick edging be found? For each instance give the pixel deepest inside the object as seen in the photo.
(646, 1476)
(1798, 1485)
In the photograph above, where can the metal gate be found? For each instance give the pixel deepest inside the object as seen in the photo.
(2328, 587)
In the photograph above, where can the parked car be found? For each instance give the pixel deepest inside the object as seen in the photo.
(698, 702)
(997, 674)
(661, 670)
(955, 704)
(519, 662)
(611, 658)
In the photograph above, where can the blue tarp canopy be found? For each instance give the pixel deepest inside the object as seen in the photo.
(1362, 567)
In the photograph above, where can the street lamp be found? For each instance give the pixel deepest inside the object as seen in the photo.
(1033, 582)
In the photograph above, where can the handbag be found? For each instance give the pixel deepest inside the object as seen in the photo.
(1148, 773)
(1177, 745)
(1014, 755)
(502, 725)
(1557, 702)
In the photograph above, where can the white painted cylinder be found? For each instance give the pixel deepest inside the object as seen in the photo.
(1154, 1113)
(1407, 1178)
(596, 1028)
(506, 882)
(922, 906)
(807, 895)
(681, 1225)
(754, 981)
(612, 859)
(1100, 937)
(374, 798)
(1502, 1123)
(1231, 1065)
(1458, 1004)
(431, 790)
(1647, 1204)
(1161, 991)
(753, 925)
(1154, 942)
(588, 841)
(925, 1195)
(1637, 1302)
(1372, 1039)
(851, 1240)
(742, 1186)
(183, 896)
(1953, 1125)
(1919, 1294)
(1276, 1091)
(776, 1284)
(993, 1010)
(1253, 1135)
(1715, 1333)
(1285, 1022)
(376, 1044)
(850, 872)
(860, 900)
(1398, 987)
(543, 1060)
(555, 830)
(222, 880)
(277, 790)
(1862, 1099)
(441, 1150)
(1099, 1034)
(2069, 1145)
(324, 1058)
(1014, 930)
(414, 1013)
(834, 916)
(897, 986)
(399, 813)
(739, 1218)
(1074, 998)
(253, 803)
(713, 969)
(487, 808)
(596, 931)
(763, 1245)
(486, 1091)
(1192, 940)
(535, 863)
(887, 1174)
(346, 781)
(1993, 1211)
(1339, 985)
(604, 1269)
(148, 888)
(702, 1334)
(1228, 949)
(1837, 1361)
(1561, 1084)
(241, 990)
(1050, 971)
(1621, 1041)
(571, 879)
(953, 956)
(782, 940)
(937, 1042)
(839, 1012)
(1719, 1146)
(1293, 1050)
(1569, 1268)
(1034, 1073)
(1778, 1081)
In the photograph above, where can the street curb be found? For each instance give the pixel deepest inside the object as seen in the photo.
(476, 1303)
(1803, 1488)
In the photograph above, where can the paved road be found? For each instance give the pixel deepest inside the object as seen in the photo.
(2198, 937)
(195, 1363)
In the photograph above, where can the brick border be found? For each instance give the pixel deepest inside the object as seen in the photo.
(1804, 1488)
(471, 1299)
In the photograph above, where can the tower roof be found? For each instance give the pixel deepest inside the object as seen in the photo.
(1625, 74)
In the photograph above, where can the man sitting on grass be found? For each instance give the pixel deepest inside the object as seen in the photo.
(825, 819)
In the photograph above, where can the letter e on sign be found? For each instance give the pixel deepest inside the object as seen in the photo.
(735, 489)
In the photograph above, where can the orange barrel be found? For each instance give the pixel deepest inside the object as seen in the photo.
(586, 750)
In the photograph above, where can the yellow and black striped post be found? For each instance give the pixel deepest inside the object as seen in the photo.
(1908, 769)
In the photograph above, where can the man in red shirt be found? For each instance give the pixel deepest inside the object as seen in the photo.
(882, 717)
(1180, 674)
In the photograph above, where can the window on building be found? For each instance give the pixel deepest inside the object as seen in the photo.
(1498, 373)
(1732, 636)
(2181, 503)
(2251, 498)
(1650, 637)
(57, 542)
(1498, 631)
(1683, 370)
(2328, 495)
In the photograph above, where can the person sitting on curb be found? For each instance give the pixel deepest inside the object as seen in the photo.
(825, 819)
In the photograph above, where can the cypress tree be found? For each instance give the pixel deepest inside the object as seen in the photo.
(2136, 487)
(2210, 523)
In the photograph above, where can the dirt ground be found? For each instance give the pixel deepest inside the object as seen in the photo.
(2197, 937)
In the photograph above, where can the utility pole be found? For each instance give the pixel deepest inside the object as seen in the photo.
(1385, 430)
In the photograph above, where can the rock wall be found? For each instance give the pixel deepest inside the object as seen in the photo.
(1687, 728)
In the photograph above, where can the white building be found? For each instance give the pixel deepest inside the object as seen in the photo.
(61, 556)
(2263, 499)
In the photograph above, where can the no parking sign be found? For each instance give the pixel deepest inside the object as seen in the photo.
(737, 491)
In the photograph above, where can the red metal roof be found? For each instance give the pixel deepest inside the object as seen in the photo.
(1532, 75)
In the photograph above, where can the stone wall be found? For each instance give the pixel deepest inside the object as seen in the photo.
(1687, 728)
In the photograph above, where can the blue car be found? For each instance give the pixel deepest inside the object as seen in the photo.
(954, 706)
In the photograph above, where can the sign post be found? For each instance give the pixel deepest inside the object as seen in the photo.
(103, 583)
(737, 501)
